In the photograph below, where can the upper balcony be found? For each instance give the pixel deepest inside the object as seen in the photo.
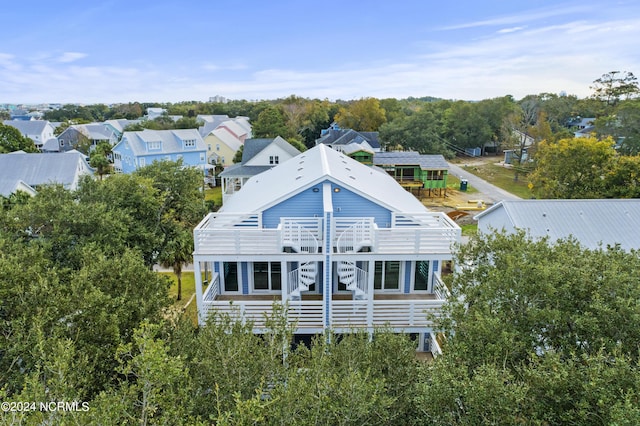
(234, 234)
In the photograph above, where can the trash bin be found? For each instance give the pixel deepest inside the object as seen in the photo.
(463, 184)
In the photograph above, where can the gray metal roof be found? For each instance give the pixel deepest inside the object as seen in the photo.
(253, 147)
(43, 169)
(238, 170)
(399, 158)
(347, 136)
(27, 127)
(591, 222)
(172, 140)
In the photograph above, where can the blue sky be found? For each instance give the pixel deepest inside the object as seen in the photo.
(173, 51)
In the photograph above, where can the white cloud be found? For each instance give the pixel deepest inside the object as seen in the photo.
(71, 57)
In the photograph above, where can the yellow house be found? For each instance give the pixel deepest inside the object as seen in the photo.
(221, 146)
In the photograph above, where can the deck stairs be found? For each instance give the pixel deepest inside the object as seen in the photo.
(301, 240)
(352, 240)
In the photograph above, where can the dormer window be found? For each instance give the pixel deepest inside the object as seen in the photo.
(154, 145)
(190, 143)
(274, 159)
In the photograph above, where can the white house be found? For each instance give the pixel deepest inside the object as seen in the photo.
(43, 169)
(39, 131)
(342, 245)
(258, 155)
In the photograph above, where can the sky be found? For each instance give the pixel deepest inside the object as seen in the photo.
(112, 51)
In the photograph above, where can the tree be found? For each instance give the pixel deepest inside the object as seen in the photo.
(98, 159)
(421, 131)
(615, 86)
(623, 178)
(271, 123)
(539, 330)
(12, 140)
(572, 168)
(180, 189)
(465, 127)
(363, 115)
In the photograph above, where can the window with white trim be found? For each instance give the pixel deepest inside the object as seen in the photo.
(267, 276)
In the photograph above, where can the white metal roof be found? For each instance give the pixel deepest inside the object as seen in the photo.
(316, 165)
(591, 222)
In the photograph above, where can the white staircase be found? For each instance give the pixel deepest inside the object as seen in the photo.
(351, 240)
(353, 278)
(301, 240)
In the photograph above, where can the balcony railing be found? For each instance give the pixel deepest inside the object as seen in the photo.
(345, 314)
(424, 233)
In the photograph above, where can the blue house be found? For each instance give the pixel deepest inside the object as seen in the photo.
(342, 245)
(138, 149)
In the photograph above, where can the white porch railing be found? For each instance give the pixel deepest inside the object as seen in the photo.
(307, 315)
(213, 289)
(439, 288)
(399, 315)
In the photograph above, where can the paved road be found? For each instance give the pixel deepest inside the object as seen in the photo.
(489, 193)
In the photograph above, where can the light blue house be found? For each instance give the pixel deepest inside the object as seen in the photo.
(342, 245)
(138, 149)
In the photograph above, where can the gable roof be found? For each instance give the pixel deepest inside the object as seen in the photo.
(253, 147)
(316, 165)
(227, 138)
(31, 127)
(591, 222)
(9, 186)
(172, 140)
(347, 136)
(43, 169)
(234, 128)
(395, 158)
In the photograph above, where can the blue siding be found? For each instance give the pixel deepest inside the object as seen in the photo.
(244, 268)
(407, 277)
(349, 204)
(304, 204)
(309, 204)
(216, 267)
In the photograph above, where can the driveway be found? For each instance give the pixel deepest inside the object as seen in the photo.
(489, 193)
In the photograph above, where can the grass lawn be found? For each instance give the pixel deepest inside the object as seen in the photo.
(188, 286)
(469, 229)
(502, 177)
(188, 290)
(214, 194)
(453, 182)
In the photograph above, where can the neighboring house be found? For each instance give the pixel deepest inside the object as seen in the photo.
(153, 113)
(337, 139)
(215, 119)
(77, 135)
(36, 170)
(118, 126)
(258, 155)
(523, 142)
(39, 131)
(223, 136)
(10, 186)
(341, 245)
(222, 146)
(238, 130)
(139, 149)
(414, 170)
(591, 222)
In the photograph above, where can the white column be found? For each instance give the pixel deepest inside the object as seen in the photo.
(199, 300)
